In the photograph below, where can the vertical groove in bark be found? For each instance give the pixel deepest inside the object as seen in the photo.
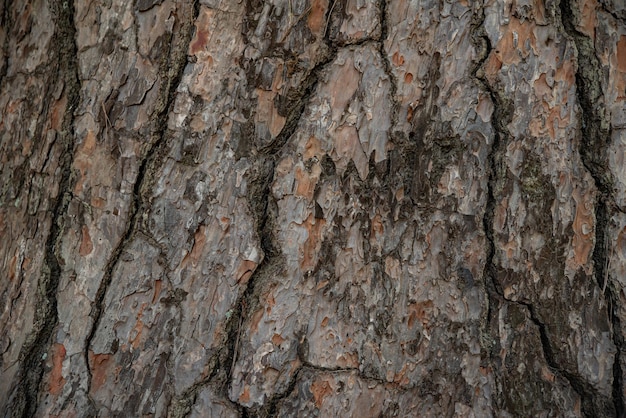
(596, 136)
(259, 197)
(32, 354)
(4, 48)
(384, 33)
(500, 119)
(172, 68)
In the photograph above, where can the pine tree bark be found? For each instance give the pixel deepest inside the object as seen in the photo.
(312, 208)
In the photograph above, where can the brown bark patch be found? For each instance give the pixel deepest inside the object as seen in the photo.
(157, 290)
(255, 320)
(583, 227)
(138, 329)
(421, 311)
(199, 41)
(99, 368)
(311, 250)
(86, 245)
(316, 19)
(244, 398)
(277, 339)
(320, 389)
(621, 54)
(589, 17)
(196, 252)
(202, 35)
(245, 270)
(57, 381)
(12, 267)
(512, 47)
(58, 110)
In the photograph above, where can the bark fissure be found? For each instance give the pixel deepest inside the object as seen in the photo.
(596, 136)
(384, 33)
(6, 24)
(32, 354)
(172, 68)
(500, 118)
(261, 207)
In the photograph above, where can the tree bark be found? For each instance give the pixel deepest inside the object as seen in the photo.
(312, 208)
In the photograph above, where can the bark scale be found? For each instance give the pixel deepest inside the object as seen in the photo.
(312, 207)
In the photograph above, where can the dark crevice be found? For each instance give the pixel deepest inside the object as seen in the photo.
(596, 136)
(590, 402)
(271, 408)
(4, 48)
(24, 400)
(500, 119)
(384, 33)
(262, 207)
(171, 69)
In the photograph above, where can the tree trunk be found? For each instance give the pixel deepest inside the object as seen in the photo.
(312, 208)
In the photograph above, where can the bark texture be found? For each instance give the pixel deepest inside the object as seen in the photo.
(313, 208)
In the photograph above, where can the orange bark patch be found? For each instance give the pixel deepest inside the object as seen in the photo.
(256, 320)
(245, 395)
(196, 252)
(57, 381)
(267, 112)
(515, 44)
(313, 148)
(320, 389)
(377, 226)
(270, 302)
(83, 161)
(316, 21)
(589, 17)
(27, 145)
(621, 54)
(547, 375)
(277, 339)
(97, 202)
(400, 378)
(583, 227)
(541, 87)
(86, 246)
(202, 36)
(408, 78)
(421, 311)
(310, 250)
(138, 329)
(348, 360)
(157, 290)
(325, 321)
(99, 368)
(397, 59)
(245, 270)
(305, 183)
(199, 41)
(493, 65)
(12, 267)
(566, 73)
(342, 87)
(58, 110)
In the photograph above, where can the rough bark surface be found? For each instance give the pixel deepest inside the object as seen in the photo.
(313, 208)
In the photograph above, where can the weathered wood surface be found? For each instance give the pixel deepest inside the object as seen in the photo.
(313, 208)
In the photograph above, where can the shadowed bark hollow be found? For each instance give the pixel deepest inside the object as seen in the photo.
(312, 208)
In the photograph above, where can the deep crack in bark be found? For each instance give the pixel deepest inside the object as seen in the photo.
(24, 400)
(596, 136)
(500, 119)
(260, 196)
(172, 69)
